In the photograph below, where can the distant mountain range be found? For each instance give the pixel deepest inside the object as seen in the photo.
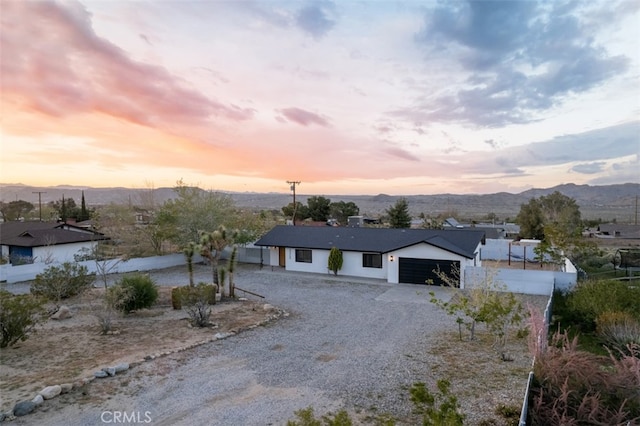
(606, 202)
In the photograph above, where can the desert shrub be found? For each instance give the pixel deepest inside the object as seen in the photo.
(19, 314)
(57, 283)
(511, 413)
(592, 298)
(618, 329)
(306, 417)
(441, 409)
(176, 298)
(573, 387)
(197, 301)
(139, 292)
(113, 303)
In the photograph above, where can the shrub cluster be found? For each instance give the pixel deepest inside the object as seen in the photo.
(19, 314)
(57, 283)
(574, 387)
(197, 301)
(133, 292)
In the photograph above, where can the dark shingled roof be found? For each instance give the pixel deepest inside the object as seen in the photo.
(375, 240)
(39, 234)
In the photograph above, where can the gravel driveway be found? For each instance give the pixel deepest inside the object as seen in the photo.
(347, 343)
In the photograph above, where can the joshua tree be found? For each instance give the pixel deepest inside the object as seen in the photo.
(232, 267)
(189, 251)
(211, 246)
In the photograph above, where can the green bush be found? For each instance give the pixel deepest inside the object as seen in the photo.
(441, 409)
(306, 417)
(590, 299)
(141, 292)
(19, 314)
(57, 283)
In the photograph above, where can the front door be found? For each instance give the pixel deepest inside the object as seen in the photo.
(281, 256)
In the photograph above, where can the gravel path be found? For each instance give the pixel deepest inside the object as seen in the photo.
(347, 342)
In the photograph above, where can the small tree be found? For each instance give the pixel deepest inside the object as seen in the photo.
(485, 302)
(399, 216)
(19, 314)
(335, 260)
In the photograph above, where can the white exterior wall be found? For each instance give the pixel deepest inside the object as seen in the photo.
(426, 251)
(60, 252)
(319, 260)
(352, 266)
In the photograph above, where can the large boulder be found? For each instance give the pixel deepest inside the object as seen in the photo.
(23, 408)
(63, 313)
(38, 399)
(51, 391)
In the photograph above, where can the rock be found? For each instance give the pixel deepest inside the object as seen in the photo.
(50, 391)
(63, 313)
(123, 366)
(267, 307)
(219, 336)
(38, 399)
(111, 371)
(23, 408)
(100, 374)
(218, 297)
(66, 387)
(242, 299)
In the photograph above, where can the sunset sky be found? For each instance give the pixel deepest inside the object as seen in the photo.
(348, 97)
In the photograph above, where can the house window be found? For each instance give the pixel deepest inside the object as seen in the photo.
(303, 256)
(371, 260)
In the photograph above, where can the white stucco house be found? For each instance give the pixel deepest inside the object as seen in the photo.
(48, 242)
(395, 255)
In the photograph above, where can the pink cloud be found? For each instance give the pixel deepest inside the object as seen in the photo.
(303, 117)
(54, 61)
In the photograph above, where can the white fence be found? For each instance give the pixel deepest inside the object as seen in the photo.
(14, 274)
(522, 281)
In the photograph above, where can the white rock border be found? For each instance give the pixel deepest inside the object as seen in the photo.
(52, 391)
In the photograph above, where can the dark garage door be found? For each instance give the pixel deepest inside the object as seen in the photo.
(418, 271)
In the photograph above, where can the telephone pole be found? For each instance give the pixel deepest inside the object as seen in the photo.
(293, 184)
(39, 202)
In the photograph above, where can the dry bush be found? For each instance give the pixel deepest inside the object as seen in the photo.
(577, 387)
(618, 329)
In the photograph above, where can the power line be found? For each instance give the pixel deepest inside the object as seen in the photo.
(39, 201)
(293, 184)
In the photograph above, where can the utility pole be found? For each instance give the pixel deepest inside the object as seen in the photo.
(39, 201)
(293, 184)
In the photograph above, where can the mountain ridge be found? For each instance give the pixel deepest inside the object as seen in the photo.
(607, 202)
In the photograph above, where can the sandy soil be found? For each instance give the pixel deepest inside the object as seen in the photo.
(69, 350)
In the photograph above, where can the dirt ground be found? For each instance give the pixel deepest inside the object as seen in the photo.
(66, 351)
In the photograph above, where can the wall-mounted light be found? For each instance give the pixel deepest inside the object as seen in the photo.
(391, 258)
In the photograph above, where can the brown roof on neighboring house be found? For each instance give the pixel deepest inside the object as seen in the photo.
(38, 234)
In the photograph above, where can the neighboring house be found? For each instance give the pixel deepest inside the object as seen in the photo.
(396, 255)
(29, 242)
(615, 230)
(493, 230)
